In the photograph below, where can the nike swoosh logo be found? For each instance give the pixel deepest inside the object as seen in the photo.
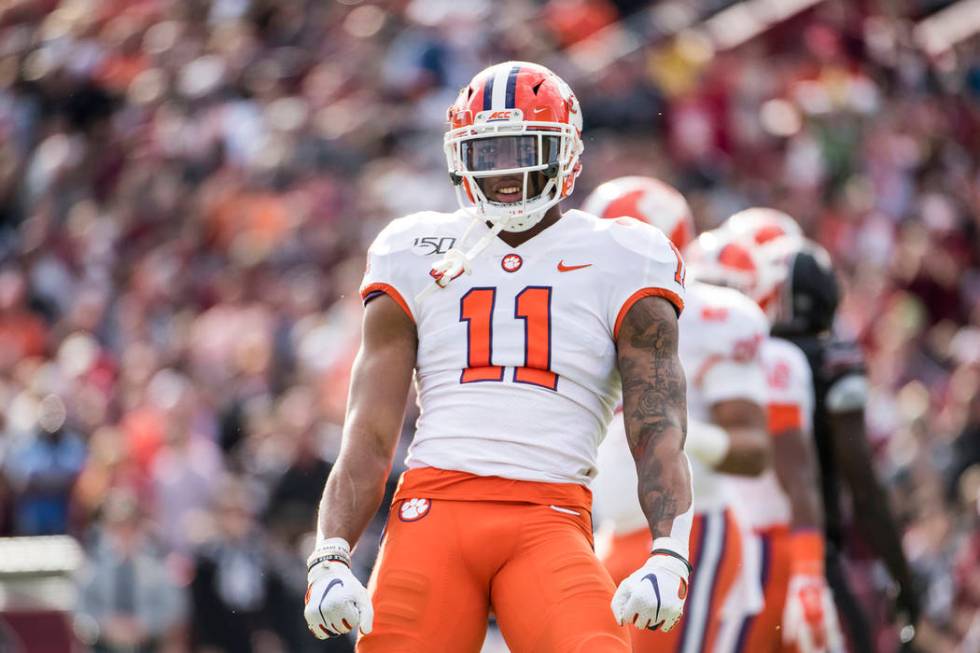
(319, 607)
(568, 268)
(656, 590)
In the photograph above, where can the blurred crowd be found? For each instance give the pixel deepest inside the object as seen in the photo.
(187, 189)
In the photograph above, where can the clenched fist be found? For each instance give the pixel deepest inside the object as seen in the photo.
(652, 597)
(336, 602)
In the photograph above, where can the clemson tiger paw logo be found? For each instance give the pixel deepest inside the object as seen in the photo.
(511, 263)
(414, 509)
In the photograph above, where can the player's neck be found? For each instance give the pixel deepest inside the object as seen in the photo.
(517, 238)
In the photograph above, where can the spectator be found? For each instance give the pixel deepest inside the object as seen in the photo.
(234, 590)
(22, 331)
(187, 469)
(43, 469)
(129, 601)
(296, 495)
(108, 468)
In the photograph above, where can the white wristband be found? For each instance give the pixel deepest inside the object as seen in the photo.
(334, 549)
(707, 442)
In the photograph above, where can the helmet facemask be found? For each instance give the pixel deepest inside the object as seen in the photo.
(537, 156)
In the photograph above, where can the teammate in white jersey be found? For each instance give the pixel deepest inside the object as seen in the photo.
(721, 331)
(784, 552)
(521, 325)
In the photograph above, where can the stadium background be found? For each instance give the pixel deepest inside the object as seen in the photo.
(187, 189)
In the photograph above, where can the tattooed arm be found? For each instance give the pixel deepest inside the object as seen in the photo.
(655, 411)
(655, 414)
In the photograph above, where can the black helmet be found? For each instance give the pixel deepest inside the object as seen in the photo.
(807, 301)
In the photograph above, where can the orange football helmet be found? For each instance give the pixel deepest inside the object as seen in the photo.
(718, 258)
(520, 119)
(760, 225)
(646, 199)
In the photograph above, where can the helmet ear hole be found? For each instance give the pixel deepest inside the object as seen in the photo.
(456, 179)
(551, 171)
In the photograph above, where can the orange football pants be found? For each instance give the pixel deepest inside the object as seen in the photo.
(761, 633)
(439, 573)
(716, 556)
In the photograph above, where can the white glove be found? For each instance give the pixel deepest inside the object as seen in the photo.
(653, 596)
(809, 619)
(336, 602)
(707, 442)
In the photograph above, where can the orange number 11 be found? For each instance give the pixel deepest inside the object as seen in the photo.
(533, 305)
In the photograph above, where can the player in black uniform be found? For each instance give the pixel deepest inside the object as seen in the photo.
(805, 313)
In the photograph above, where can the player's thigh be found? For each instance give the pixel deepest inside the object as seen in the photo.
(627, 553)
(426, 598)
(716, 556)
(553, 595)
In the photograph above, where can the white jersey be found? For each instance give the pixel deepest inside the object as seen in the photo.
(720, 334)
(516, 371)
(762, 503)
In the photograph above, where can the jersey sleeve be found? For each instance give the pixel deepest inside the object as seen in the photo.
(735, 369)
(388, 269)
(643, 263)
(790, 386)
(732, 379)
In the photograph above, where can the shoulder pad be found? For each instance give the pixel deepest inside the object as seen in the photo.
(723, 321)
(640, 238)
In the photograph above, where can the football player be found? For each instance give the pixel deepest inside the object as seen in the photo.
(721, 332)
(803, 310)
(782, 508)
(521, 324)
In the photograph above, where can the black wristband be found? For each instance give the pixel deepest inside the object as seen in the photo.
(672, 554)
(329, 557)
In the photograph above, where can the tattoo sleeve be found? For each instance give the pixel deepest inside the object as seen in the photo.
(655, 411)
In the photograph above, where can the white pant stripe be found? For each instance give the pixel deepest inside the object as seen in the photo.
(704, 582)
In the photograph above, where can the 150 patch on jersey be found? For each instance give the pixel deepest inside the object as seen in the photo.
(428, 245)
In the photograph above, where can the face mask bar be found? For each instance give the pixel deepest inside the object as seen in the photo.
(525, 213)
(488, 155)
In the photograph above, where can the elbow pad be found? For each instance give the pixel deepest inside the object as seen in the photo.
(707, 442)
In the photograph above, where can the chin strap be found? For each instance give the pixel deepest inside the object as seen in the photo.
(455, 262)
